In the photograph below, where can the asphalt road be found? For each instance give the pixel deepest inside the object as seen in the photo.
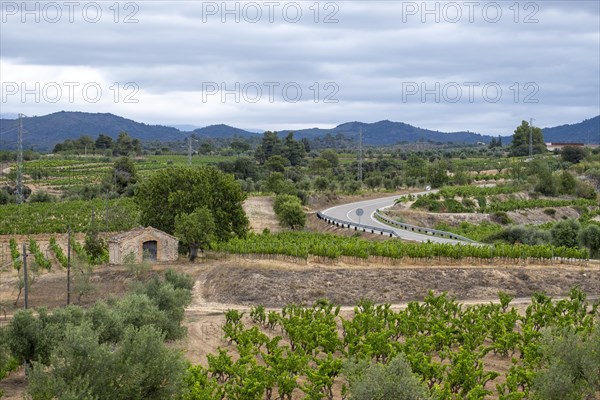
(347, 212)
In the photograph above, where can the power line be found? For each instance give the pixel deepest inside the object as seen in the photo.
(10, 130)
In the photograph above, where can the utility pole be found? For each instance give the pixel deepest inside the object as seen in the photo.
(19, 188)
(360, 157)
(69, 265)
(106, 212)
(25, 278)
(530, 138)
(190, 150)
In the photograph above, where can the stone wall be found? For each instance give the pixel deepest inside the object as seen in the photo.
(166, 249)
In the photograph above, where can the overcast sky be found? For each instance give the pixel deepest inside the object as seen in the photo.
(474, 65)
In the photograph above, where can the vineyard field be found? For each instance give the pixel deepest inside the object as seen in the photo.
(303, 244)
(300, 351)
(33, 218)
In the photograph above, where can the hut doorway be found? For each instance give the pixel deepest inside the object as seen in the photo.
(149, 250)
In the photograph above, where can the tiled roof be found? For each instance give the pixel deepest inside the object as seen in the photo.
(138, 231)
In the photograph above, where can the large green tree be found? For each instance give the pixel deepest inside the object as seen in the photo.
(181, 190)
(565, 233)
(271, 145)
(572, 154)
(288, 209)
(122, 175)
(127, 145)
(104, 142)
(293, 150)
(590, 238)
(520, 140)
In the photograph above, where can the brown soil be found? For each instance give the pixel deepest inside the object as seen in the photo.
(259, 210)
(538, 216)
(535, 216)
(274, 283)
(264, 283)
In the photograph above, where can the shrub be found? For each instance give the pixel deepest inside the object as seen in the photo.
(428, 202)
(26, 338)
(500, 217)
(141, 367)
(572, 154)
(5, 197)
(481, 201)
(523, 235)
(453, 206)
(171, 301)
(468, 203)
(590, 238)
(179, 281)
(565, 233)
(585, 191)
(572, 365)
(41, 197)
(7, 362)
(95, 247)
(395, 380)
(289, 211)
(567, 183)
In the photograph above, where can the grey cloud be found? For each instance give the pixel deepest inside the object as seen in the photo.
(370, 53)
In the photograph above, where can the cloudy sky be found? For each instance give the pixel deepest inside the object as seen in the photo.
(474, 65)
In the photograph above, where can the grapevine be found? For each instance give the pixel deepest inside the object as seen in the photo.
(444, 342)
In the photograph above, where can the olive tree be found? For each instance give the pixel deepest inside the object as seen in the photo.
(377, 381)
(571, 365)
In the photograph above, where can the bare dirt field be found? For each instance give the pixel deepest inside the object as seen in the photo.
(269, 284)
(259, 210)
(534, 216)
(243, 282)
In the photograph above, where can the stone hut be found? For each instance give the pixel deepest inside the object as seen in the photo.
(148, 244)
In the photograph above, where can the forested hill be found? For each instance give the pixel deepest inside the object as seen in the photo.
(587, 131)
(43, 132)
(389, 132)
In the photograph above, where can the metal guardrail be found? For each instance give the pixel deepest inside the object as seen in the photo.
(420, 229)
(413, 228)
(365, 228)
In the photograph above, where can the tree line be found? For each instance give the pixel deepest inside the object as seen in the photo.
(124, 145)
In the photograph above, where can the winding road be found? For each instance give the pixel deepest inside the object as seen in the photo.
(347, 213)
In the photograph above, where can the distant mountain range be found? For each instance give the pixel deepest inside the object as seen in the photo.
(587, 131)
(389, 132)
(43, 132)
